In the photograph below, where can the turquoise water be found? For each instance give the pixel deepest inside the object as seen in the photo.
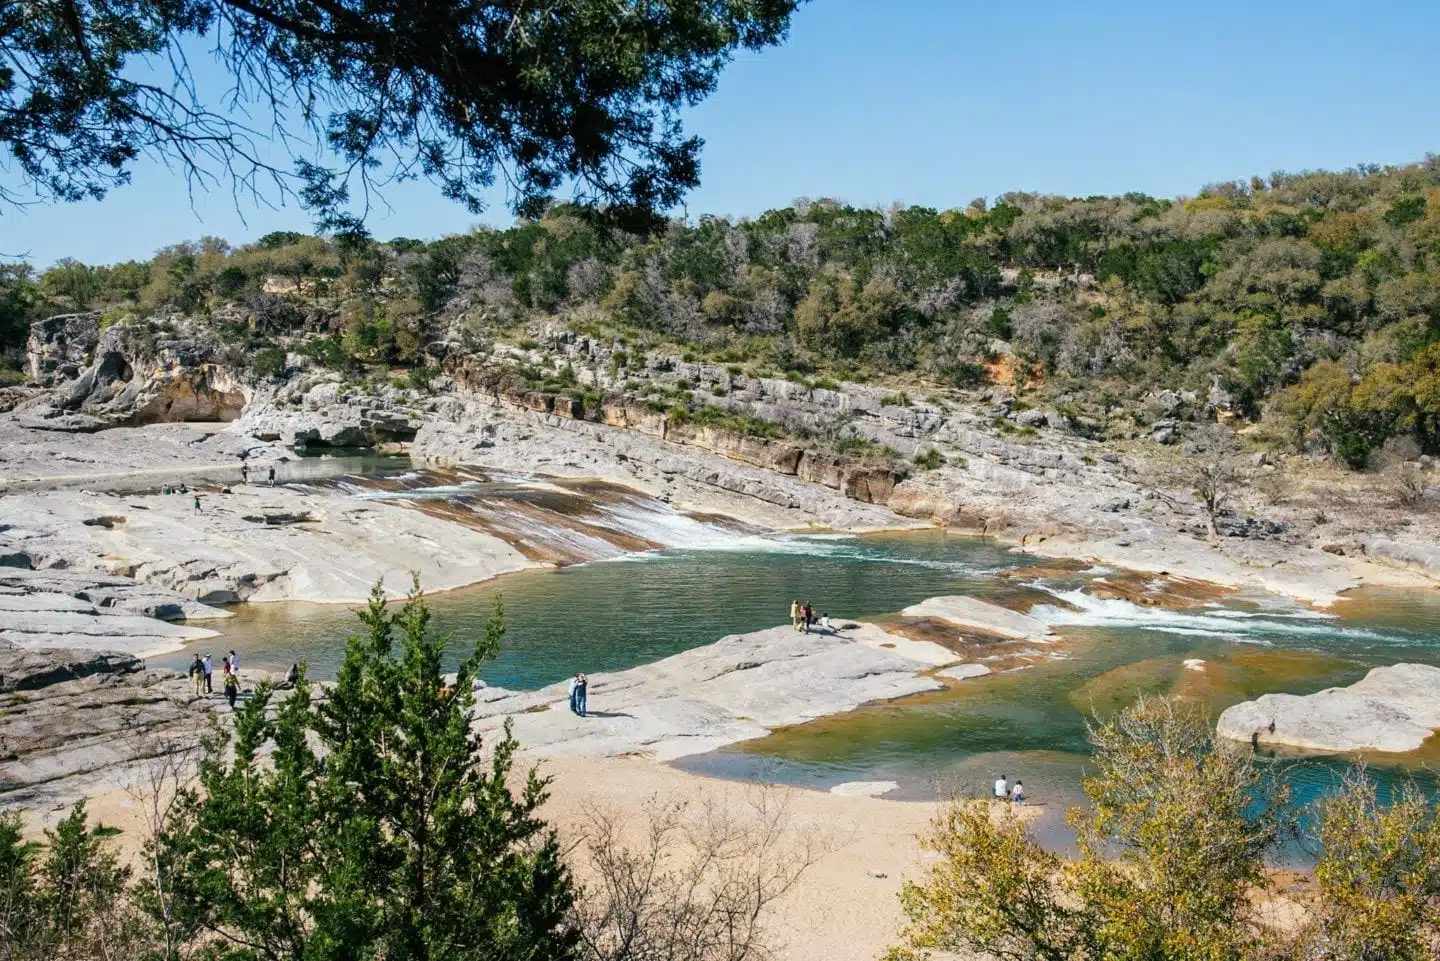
(614, 614)
(635, 608)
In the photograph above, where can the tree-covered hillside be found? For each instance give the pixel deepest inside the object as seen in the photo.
(1312, 300)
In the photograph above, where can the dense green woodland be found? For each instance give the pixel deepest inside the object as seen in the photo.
(1312, 299)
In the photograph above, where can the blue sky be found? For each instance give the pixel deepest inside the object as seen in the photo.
(933, 102)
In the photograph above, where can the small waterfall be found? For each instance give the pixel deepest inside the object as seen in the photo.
(1251, 627)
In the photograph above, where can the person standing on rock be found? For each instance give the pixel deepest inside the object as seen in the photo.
(208, 668)
(1017, 793)
(244, 473)
(272, 475)
(197, 502)
(234, 662)
(197, 675)
(232, 689)
(795, 614)
(574, 692)
(580, 692)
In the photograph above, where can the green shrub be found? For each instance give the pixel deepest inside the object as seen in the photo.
(268, 362)
(929, 460)
(420, 378)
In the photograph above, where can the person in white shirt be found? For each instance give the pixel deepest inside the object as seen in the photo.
(1017, 793)
(1002, 788)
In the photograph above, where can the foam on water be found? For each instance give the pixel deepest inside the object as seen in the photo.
(1247, 626)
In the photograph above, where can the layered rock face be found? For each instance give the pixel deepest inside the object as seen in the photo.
(86, 611)
(126, 375)
(72, 721)
(1394, 709)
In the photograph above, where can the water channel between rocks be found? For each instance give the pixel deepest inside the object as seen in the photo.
(646, 581)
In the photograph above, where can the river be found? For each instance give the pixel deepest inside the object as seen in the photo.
(659, 581)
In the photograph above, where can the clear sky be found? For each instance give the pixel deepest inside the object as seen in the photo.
(935, 102)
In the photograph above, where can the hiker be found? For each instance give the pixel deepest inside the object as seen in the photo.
(232, 689)
(197, 502)
(1002, 788)
(224, 668)
(234, 661)
(795, 614)
(205, 665)
(580, 692)
(244, 473)
(272, 475)
(197, 675)
(1017, 793)
(574, 688)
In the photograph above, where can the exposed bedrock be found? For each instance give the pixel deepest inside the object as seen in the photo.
(1393, 709)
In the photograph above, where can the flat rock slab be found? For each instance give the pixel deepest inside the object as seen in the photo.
(961, 672)
(739, 688)
(978, 615)
(1393, 709)
(864, 788)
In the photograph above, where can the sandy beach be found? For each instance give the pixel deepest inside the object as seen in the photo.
(844, 908)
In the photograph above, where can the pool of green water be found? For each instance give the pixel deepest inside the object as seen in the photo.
(1027, 724)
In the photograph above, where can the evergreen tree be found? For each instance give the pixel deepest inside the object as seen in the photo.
(365, 825)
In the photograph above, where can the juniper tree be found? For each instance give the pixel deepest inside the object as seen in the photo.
(461, 92)
(366, 823)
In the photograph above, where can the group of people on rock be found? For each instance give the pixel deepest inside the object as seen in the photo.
(1005, 791)
(202, 674)
(245, 474)
(579, 685)
(181, 488)
(803, 618)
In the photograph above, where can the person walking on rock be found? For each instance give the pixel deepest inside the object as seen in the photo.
(197, 675)
(232, 689)
(272, 475)
(244, 473)
(197, 502)
(209, 669)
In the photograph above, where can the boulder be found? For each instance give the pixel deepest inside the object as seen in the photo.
(1393, 709)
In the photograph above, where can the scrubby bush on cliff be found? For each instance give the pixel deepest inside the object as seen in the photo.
(1172, 864)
